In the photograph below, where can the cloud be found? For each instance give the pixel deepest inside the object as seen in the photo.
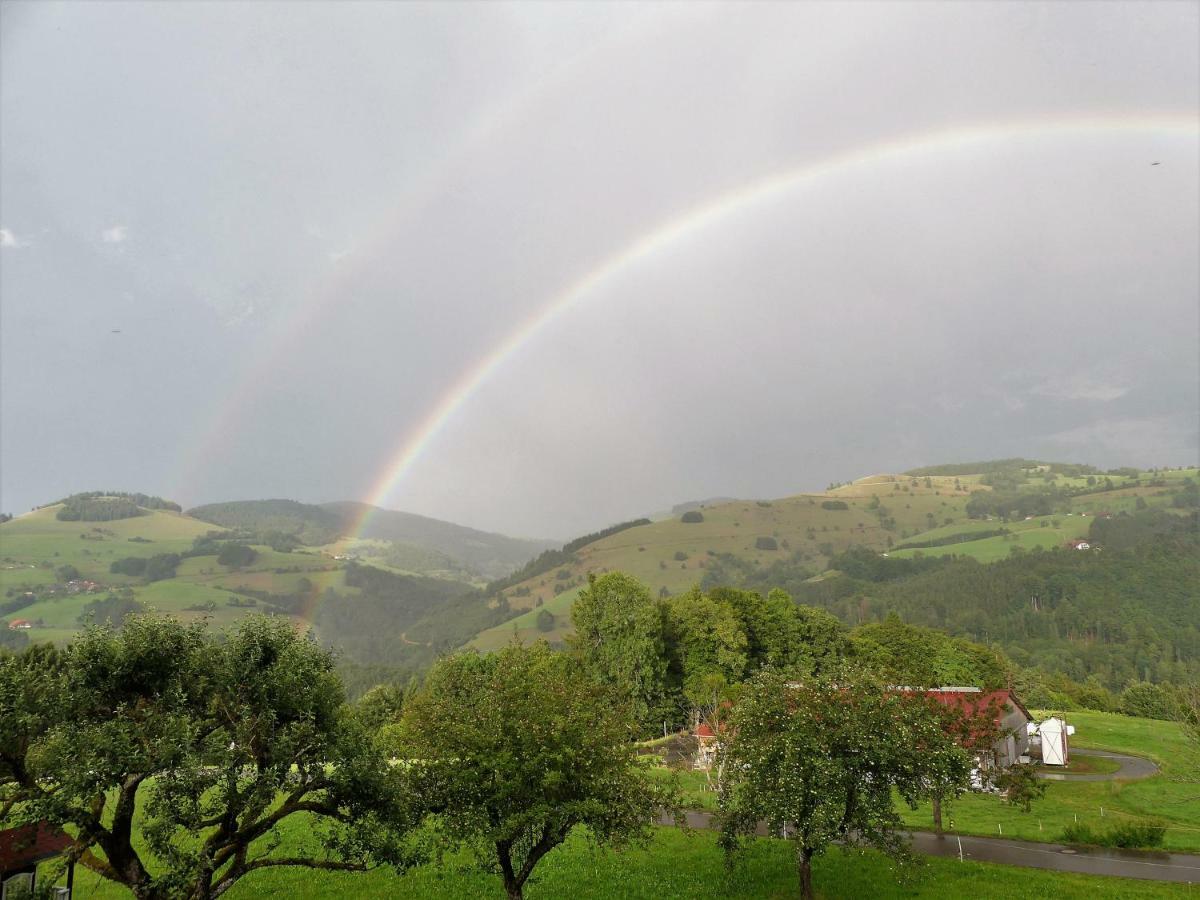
(1080, 387)
(114, 235)
(10, 241)
(1145, 440)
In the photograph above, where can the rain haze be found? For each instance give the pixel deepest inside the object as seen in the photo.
(539, 268)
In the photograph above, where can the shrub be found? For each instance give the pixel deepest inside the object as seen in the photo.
(67, 573)
(680, 556)
(1127, 835)
(130, 565)
(236, 555)
(545, 620)
(1150, 701)
(766, 543)
(834, 504)
(691, 517)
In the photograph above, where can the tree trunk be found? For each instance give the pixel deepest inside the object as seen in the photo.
(937, 814)
(806, 886)
(512, 882)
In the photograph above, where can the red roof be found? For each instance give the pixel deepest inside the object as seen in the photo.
(974, 703)
(704, 731)
(27, 844)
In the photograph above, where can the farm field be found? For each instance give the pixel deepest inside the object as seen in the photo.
(677, 866)
(34, 546)
(1044, 532)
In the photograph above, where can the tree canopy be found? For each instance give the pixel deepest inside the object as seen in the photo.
(512, 750)
(214, 743)
(822, 758)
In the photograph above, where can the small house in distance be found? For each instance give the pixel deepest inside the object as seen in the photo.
(21, 849)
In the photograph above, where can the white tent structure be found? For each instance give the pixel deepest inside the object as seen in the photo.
(1052, 735)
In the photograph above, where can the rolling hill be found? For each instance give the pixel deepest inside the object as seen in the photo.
(792, 540)
(56, 575)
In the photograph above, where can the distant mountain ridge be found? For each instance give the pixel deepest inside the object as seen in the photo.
(493, 555)
(490, 554)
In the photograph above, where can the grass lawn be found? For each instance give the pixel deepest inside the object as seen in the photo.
(678, 865)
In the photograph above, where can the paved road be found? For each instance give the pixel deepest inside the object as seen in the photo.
(1144, 864)
(1132, 768)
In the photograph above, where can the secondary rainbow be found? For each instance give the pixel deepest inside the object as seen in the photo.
(709, 213)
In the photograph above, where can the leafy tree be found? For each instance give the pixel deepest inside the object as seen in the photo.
(382, 705)
(706, 639)
(822, 758)
(619, 636)
(514, 749)
(130, 565)
(214, 743)
(1150, 701)
(545, 620)
(692, 517)
(1021, 785)
(235, 555)
(766, 543)
(67, 573)
(111, 610)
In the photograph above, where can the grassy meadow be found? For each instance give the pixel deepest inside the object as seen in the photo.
(675, 864)
(33, 546)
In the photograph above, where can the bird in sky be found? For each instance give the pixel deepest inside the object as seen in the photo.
(1155, 164)
(116, 331)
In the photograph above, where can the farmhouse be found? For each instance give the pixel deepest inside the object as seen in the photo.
(1009, 714)
(706, 747)
(21, 849)
(19, 625)
(1079, 545)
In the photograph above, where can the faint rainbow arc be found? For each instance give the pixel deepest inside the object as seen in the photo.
(417, 193)
(707, 213)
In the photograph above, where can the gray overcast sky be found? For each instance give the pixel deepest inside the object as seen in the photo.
(248, 249)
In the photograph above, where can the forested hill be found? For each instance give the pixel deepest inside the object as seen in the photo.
(492, 555)
(311, 524)
(1130, 612)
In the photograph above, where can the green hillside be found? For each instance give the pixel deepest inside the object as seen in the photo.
(484, 553)
(901, 517)
(55, 576)
(311, 524)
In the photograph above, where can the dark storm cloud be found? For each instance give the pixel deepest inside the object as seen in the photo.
(308, 221)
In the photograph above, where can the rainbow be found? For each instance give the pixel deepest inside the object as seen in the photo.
(687, 225)
(419, 190)
(711, 212)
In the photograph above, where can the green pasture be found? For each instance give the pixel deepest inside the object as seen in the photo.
(1028, 535)
(798, 524)
(39, 535)
(525, 627)
(674, 865)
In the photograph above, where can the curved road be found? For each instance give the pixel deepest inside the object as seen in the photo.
(1132, 768)
(1147, 865)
